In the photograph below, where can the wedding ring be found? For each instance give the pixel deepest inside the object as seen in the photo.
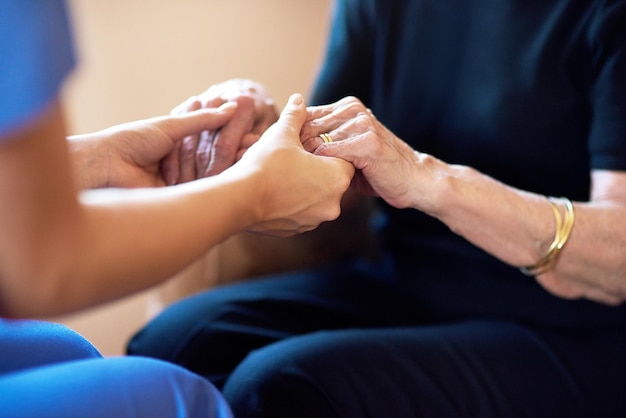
(326, 138)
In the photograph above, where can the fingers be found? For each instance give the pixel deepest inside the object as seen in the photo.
(246, 142)
(326, 143)
(196, 150)
(294, 113)
(194, 122)
(318, 112)
(171, 164)
(232, 90)
(203, 153)
(187, 121)
(211, 151)
(218, 150)
(340, 120)
(289, 122)
(299, 190)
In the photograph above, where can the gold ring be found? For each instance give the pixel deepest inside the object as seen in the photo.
(326, 138)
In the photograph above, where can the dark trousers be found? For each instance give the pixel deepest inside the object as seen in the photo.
(341, 343)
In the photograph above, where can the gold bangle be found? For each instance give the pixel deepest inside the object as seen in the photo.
(563, 230)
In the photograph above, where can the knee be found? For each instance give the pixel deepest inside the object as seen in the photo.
(166, 335)
(63, 342)
(285, 379)
(159, 387)
(112, 387)
(207, 335)
(29, 343)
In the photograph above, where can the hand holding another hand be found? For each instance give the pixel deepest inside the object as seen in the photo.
(130, 154)
(210, 152)
(385, 164)
(296, 190)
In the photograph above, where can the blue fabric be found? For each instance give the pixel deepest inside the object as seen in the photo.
(48, 370)
(37, 55)
(27, 344)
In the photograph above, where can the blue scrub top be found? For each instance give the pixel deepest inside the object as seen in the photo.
(36, 55)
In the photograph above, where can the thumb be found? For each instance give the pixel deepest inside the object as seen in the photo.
(293, 114)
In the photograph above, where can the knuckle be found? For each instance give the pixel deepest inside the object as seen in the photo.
(202, 159)
(350, 100)
(306, 130)
(363, 120)
(188, 150)
(372, 137)
(334, 212)
(355, 107)
(193, 103)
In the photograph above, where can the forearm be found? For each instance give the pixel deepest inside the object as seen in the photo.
(89, 165)
(518, 228)
(595, 251)
(143, 237)
(514, 226)
(60, 252)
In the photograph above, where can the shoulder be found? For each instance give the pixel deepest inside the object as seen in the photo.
(37, 54)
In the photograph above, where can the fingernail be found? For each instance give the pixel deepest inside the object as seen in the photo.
(296, 99)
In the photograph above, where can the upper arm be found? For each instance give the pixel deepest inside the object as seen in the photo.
(38, 202)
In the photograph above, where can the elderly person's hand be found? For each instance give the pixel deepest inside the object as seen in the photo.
(385, 163)
(210, 152)
(296, 190)
(481, 209)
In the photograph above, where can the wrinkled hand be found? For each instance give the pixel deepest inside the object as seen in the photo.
(384, 163)
(296, 190)
(210, 152)
(601, 289)
(130, 154)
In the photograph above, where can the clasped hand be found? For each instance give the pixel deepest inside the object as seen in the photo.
(294, 191)
(384, 162)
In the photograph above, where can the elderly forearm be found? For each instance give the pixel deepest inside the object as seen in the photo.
(518, 227)
(514, 226)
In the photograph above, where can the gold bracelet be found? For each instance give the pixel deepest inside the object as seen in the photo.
(563, 230)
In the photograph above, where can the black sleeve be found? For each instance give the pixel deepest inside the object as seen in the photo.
(607, 138)
(347, 66)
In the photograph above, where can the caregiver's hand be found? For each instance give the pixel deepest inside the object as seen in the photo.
(296, 190)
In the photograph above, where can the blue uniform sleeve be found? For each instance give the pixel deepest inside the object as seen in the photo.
(36, 56)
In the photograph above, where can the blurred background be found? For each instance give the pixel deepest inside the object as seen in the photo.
(139, 59)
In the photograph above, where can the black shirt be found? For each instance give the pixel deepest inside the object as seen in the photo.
(532, 93)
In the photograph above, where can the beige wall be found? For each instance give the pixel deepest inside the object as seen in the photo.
(140, 58)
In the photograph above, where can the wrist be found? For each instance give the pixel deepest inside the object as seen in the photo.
(245, 195)
(87, 163)
(433, 180)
